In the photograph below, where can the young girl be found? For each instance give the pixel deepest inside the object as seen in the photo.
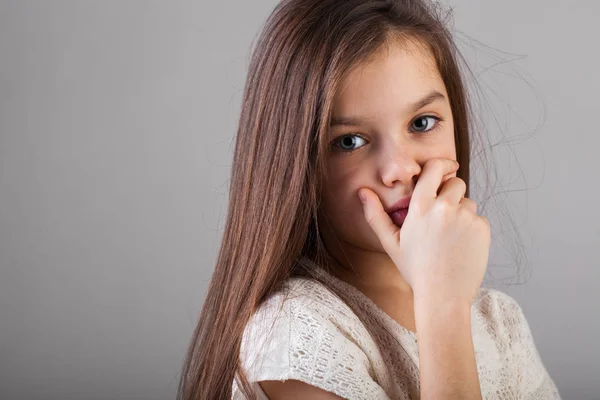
(352, 257)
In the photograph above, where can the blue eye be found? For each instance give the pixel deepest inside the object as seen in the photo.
(346, 142)
(424, 117)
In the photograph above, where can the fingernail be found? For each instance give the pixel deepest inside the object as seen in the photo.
(361, 195)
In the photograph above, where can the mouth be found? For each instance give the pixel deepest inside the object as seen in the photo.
(399, 205)
(398, 216)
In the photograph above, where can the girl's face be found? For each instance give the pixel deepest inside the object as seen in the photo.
(389, 117)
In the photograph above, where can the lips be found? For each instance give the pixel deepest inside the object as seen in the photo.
(399, 205)
(399, 216)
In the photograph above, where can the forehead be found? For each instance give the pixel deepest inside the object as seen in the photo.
(393, 78)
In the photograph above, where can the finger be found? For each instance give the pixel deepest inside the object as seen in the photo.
(431, 177)
(469, 204)
(380, 221)
(453, 190)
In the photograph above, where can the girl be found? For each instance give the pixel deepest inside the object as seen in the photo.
(352, 257)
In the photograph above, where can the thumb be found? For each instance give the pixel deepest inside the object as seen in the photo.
(381, 223)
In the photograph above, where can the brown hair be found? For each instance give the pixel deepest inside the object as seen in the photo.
(304, 52)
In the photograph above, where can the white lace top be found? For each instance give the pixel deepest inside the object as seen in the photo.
(314, 337)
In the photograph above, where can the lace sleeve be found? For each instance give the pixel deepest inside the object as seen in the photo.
(293, 340)
(533, 380)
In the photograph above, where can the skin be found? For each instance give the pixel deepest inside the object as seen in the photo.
(392, 149)
(394, 144)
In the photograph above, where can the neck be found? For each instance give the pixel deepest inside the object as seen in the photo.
(365, 269)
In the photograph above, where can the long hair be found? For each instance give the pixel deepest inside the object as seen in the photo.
(303, 53)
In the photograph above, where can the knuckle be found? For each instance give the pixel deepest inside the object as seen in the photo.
(458, 182)
(370, 219)
(445, 203)
(439, 163)
(484, 221)
(434, 163)
(469, 203)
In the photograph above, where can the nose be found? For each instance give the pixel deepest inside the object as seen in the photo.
(398, 166)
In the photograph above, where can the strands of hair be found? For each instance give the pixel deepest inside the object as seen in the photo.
(303, 53)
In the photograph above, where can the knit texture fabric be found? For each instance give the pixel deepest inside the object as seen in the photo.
(307, 333)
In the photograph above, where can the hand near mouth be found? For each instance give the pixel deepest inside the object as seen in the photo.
(442, 247)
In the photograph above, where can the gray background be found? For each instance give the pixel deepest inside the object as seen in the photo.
(116, 128)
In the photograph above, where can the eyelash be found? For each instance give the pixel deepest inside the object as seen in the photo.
(430, 131)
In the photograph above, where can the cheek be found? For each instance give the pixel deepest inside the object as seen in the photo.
(343, 169)
(341, 190)
(343, 208)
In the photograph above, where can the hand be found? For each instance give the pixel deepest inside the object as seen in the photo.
(442, 248)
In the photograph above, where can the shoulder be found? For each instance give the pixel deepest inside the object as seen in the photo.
(304, 301)
(274, 319)
(501, 314)
(507, 323)
(304, 316)
(306, 333)
(494, 302)
(298, 298)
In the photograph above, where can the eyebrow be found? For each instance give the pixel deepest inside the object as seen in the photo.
(355, 121)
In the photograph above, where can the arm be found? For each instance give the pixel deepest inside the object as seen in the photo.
(447, 367)
(294, 389)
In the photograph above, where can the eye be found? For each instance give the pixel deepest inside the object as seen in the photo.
(423, 125)
(347, 143)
